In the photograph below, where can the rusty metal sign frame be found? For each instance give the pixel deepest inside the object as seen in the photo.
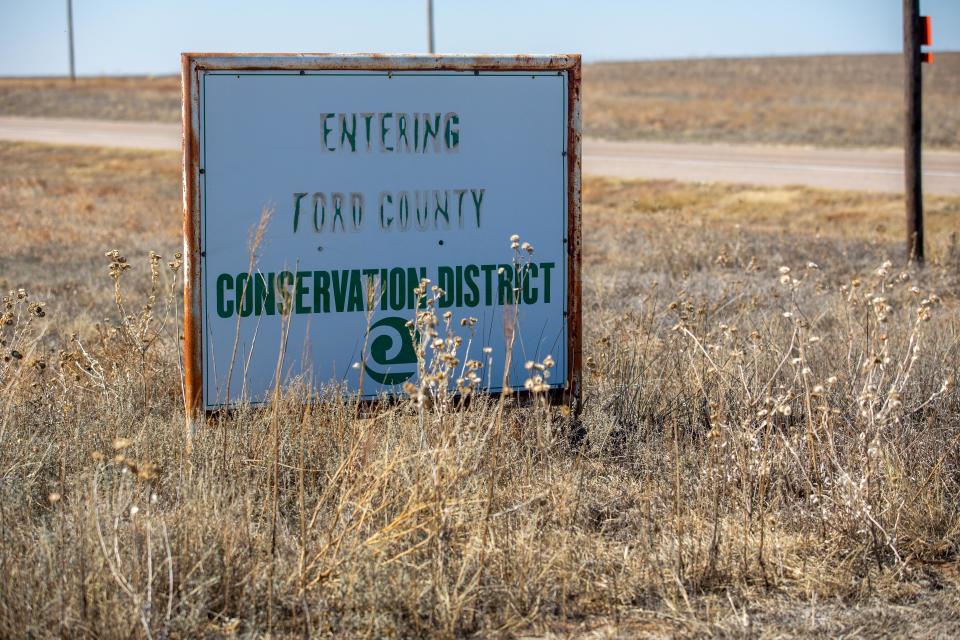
(193, 64)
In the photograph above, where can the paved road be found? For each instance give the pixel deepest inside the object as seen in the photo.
(102, 133)
(860, 169)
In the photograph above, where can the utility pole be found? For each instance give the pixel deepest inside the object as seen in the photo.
(429, 26)
(913, 129)
(73, 69)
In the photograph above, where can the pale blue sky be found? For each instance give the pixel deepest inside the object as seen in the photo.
(146, 36)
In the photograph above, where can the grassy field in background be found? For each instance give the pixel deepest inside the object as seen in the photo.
(771, 437)
(819, 100)
(147, 98)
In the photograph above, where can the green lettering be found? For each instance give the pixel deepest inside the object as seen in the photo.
(403, 211)
(284, 281)
(433, 131)
(302, 290)
(472, 296)
(244, 295)
(384, 278)
(460, 193)
(546, 266)
(413, 281)
(397, 288)
(224, 304)
(445, 282)
(459, 288)
(340, 283)
(319, 211)
(422, 276)
(384, 221)
(529, 291)
(438, 210)
(451, 131)
(356, 291)
(356, 209)
(321, 291)
(383, 131)
(297, 197)
(372, 276)
(505, 284)
(326, 131)
(423, 221)
(337, 212)
(367, 117)
(416, 131)
(350, 136)
(488, 270)
(402, 131)
(477, 201)
(264, 297)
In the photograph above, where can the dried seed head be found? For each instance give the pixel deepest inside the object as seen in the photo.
(147, 471)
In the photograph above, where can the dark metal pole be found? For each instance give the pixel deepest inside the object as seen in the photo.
(73, 70)
(429, 26)
(913, 128)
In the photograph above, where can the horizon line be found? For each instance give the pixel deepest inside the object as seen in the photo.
(587, 61)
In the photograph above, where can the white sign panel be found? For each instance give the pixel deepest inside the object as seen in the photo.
(373, 180)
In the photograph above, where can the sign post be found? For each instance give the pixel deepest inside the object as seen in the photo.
(916, 33)
(376, 172)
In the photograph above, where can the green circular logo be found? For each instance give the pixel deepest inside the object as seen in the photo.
(392, 355)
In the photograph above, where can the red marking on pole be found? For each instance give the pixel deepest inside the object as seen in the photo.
(926, 31)
(926, 56)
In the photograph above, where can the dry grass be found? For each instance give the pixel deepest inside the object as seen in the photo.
(816, 100)
(148, 98)
(764, 452)
(819, 100)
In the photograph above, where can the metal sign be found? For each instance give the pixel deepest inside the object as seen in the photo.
(320, 190)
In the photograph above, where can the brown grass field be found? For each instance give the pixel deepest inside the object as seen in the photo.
(820, 100)
(771, 438)
(814, 100)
